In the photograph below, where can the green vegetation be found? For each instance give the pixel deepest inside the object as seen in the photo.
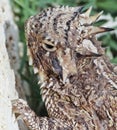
(25, 8)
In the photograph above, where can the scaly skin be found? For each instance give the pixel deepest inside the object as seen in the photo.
(78, 83)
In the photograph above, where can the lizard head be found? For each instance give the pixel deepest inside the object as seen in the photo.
(58, 36)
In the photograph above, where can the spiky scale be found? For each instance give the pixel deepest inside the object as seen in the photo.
(78, 82)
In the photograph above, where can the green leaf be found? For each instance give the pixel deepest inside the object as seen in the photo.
(114, 60)
(100, 22)
(110, 5)
(113, 44)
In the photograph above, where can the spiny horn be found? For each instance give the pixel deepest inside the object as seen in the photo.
(96, 30)
(88, 12)
(95, 17)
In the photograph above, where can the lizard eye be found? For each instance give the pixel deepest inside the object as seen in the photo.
(49, 46)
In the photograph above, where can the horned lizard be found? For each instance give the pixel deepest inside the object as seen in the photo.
(78, 83)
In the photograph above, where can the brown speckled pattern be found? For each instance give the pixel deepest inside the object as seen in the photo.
(78, 83)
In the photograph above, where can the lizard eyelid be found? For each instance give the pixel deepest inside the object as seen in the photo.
(49, 47)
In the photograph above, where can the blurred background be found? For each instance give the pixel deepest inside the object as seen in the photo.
(23, 9)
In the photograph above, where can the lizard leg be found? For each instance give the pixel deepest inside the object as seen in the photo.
(21, 108)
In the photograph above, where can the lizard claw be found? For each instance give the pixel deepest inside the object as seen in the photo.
(18, 105)
(23, 112)
(19, 108)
